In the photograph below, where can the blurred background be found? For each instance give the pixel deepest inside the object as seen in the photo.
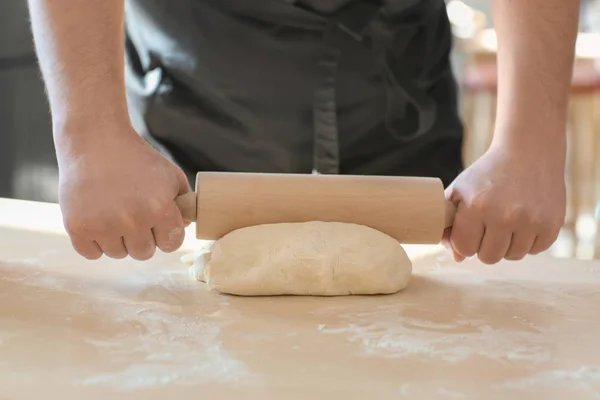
(28, 166)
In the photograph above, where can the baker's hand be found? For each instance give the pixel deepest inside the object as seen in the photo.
(117, 195)
(510, 203)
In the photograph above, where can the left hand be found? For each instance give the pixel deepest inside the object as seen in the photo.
(510, 203)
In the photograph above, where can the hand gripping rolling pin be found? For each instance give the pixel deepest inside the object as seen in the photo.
(411, 210)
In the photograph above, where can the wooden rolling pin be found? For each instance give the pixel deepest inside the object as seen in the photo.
(412, 210)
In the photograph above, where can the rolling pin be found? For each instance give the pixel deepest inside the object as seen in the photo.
(411, 210)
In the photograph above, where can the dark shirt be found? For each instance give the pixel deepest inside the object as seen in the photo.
(338, 86)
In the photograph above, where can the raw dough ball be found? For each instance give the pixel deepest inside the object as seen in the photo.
(312, 258)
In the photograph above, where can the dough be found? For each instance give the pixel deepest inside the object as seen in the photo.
(312, 258)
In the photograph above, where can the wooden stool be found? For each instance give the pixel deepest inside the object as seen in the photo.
(479, 85)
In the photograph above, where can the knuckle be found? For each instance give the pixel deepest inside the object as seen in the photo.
(488, 259)
(113, 247)
(168, 248)
(473, 209)
(143, 254)
(539, 222)
(540, 246)
(78, 226)
(545, 222)
(464, 250)
(116, 255)
(514, 256)
(538, 250)
(147, 216)
(467, 252)
(545, 246)
(516, 215)
(465, 245)
(90, 227)
(548, 239)
(476, 201)
(86, 253)
(172, 240)
(160, 208)
(90, 256)
(135, 219)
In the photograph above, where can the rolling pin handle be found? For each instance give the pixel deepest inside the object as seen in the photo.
(450, 213)
(187, 206)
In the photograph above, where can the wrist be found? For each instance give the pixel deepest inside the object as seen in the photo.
(82, 103)
(518, 141)
(548, 136)
(541, 146)
(79, 136)
(86, 113)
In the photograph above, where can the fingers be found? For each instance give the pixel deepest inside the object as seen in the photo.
(495, 241)
(467, 232)
(492, 240)
(130, 234)
(502, 214)
(448, 245)
(86, 248)
(140, 245)
(184, 184)
(543, 242)
(169, 231)
(113, 247)
(184, 187)
(520, 245)
(494, 245)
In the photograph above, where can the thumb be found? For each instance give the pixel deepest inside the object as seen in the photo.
(182, 182)
(183, 187)
(449, 194)
(447, 242)
(446, 239)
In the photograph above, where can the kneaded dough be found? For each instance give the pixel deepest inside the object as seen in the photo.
(310, 258)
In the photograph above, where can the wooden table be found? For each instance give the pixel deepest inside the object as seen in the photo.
(73, 329)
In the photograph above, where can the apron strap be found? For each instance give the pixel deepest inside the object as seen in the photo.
(402, 91)
(352, 20)
(326, 144)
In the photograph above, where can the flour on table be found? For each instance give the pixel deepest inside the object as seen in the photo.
(310, 258)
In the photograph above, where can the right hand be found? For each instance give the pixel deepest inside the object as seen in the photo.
(117, 196)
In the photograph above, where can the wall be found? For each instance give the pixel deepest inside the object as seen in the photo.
(481, 5)
(27, 160)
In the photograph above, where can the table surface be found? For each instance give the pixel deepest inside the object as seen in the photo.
(134, 330)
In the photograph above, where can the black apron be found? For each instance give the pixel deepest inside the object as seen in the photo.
(296, 86)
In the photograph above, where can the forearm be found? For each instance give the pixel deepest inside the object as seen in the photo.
(536, 41)
(80, 50)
